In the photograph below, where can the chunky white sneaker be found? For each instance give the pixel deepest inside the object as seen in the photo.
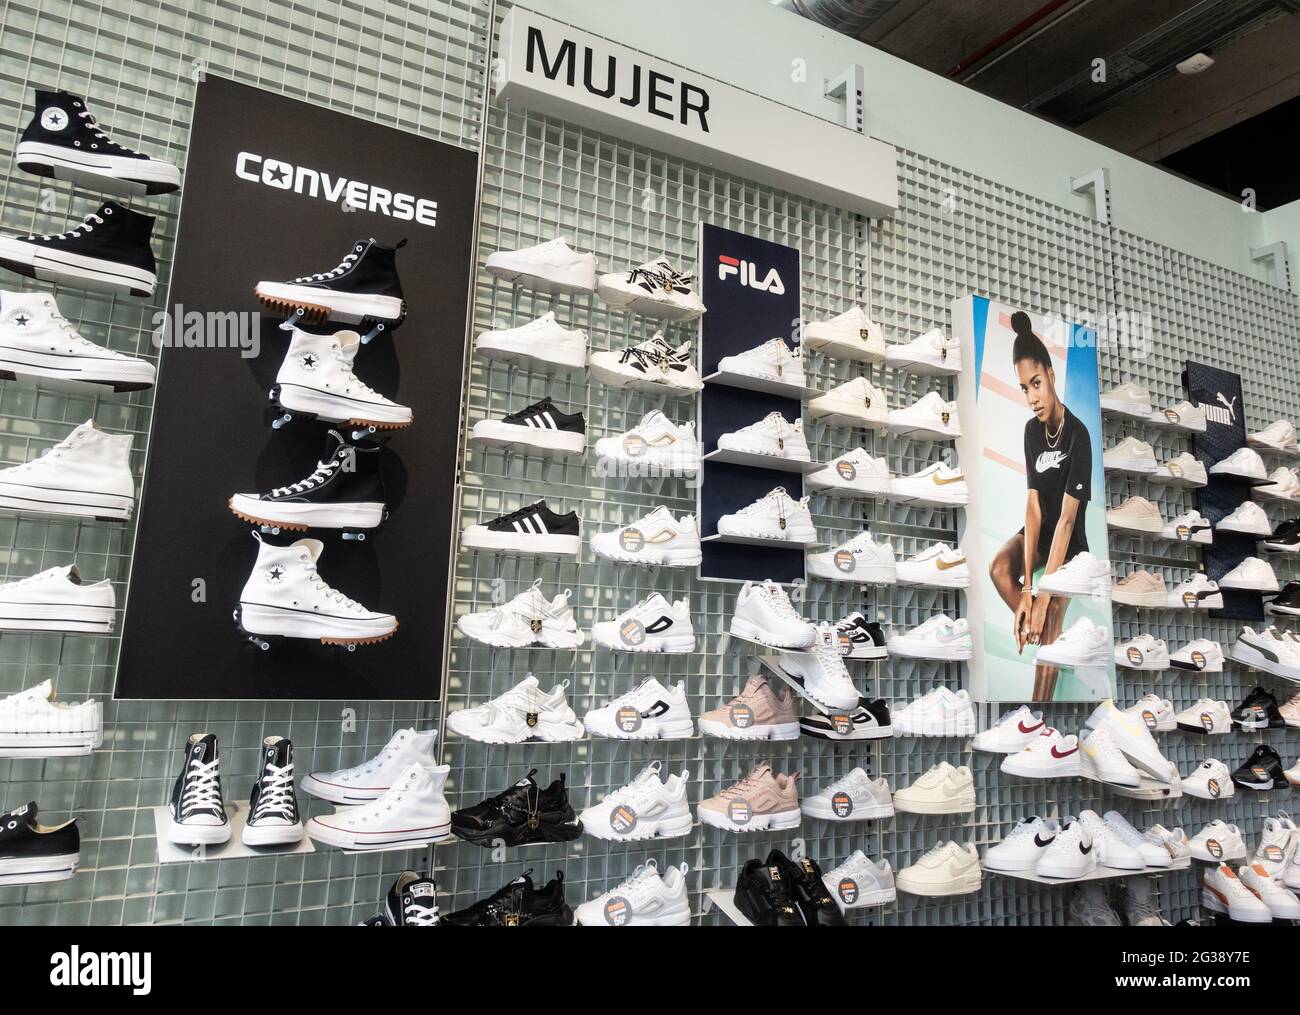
(1130, 455)
(527, 619)
(39, 343)
(1136, 514)
(930, 418)
(86, 475)
(1153, 854)
(1195, 593)
(1280, 900)
(656, 289)
(1278, 840)
(931, 353)
(1156, 713)
(316, 380)
(937, 713)
(1013, 732)
(853, 474)
(819, 674)
(1217, 841)
(1112, 851)
(944, 789)
(1253, 574)
(525, 712)
(1049, 756)
(860, 882)
(853, 797)
(850, 335)
(937, 566)
(411, 812)
(936, 638)
(1291, 876)
(1145, 652)
(1210, 780)
(549, 267)
(1182, 470)
(1083, 643)
(773, 361)
(34, 725)
(1283, 484)
(1248, 518)
(285, 596)
(652, 625)
(864, 639)
(1279, 436)
(1128, 399)
(1205, 716)
(56, 599)
(935, 484)
(648, 807)
(947, 869)
(650, 711)
(1242, 463)
(654, 444)
(761, 711)
(1222, 892)
(653, 365)
(657, 538)
(1023, 846)
(861, 559)
(642, 899)
(1081, 575)
(776, 516)
(1102, 761)
(855, 403)
(1071, 855)
(773, 435)
(764, 614)
(371, 779)
(543, 342)
(1188, 527)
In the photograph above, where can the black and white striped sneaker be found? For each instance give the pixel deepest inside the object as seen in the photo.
(869, 721)
(541, 426)
(534, 529)
(861, 638)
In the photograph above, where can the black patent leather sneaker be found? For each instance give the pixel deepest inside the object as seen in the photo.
(1261, 771)
(809, 890)
(766, 896)
(518, 904)
(522, 814)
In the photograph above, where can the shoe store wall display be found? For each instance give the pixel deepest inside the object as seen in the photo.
(297, 509)
(751, 429)
(1031, 446)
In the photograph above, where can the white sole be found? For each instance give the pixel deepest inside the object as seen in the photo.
(872, 574)
(273, 835)
(920, 431)
(793, 536)
(522, 542)
(845, 344)
(670, 827)
(496, 434)
(1100, 587)
(93, 273)
(965, 887)
(865, 900)
(507, 350)
(1061, 772)
(110, 174)
(962, 806)
(742, 628)
(934, 729)
(616, 378)
(337, 794)
(386, 839)
(1062, 872)
(279, 621)
(76, 503)
(1140, 466)
(687, 557)
(348, 306)
(680, 729)
(922, 367)
(1211, 902)
(519, 272)
(1152, 600)
(197, 835)
(35, 870)
(680, 645)
(933, 581)
(76, 372)
(646, 304)
(66, 617)
(929, 652)
(47, 745)
(822, 812)
(336, 408)
(848, 489)
(771, 731)
(775, 821)
(905, 496)
(546, 731)
(356, 515)
(868, 733)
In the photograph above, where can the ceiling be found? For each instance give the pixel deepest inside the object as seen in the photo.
(1106, 69)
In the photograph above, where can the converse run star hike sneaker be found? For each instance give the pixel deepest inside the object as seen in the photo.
(34, 725)
(761, 801)
(372, 779)
(819, 674)
(362, 287)
(656, 289)
(56, 599)
(931, 353)
(38, 343)
(777, 516)
(650, 711)
(652, 625)
(543, 343)
(198, 815)
(549, 267)
(525, 712)
(853, 474)
(773, 436)
(656, 445)
(859, 560)
(765, 614)
(316, 380)
(108, 252)
(648, 807)
(772, 361)
(658, 539)
(412, 812)
(759, 712)
(273, 817)
(32, 853)
(853, 797)
(541, 427)
(285, 596)
(653, 365)
(534, 529)
(529, 619)
(851, 335)
(85, 475)
(642, 899)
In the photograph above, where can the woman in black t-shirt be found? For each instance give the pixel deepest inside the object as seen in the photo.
(1058, 468)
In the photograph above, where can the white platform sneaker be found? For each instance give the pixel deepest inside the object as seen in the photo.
(86, 475)
(542, 342)
(765, 614)
(642, 899)
(773, 435)
(411, 812)
(656, 289)
(550, 267)
(931, 353)
(654, 445)
(372, 778)
(776, 516)
(56, 599)
(819, 673)
(853, 474)
(773, 361)
(527, 619)
(316, 379)
(861, 559)
(650, 711)
(648, 807)
(857, 402)
(654, 365)
(850, 335)
(525, 712)
(652, 625)
(657, 538)
(34, 725)
(855, 796)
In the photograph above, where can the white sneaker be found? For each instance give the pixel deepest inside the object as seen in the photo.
(1249, 518)
(1081, 575)
(1145, 652)
(1291, 877)
(1206, 716)
(1136, 514)
(1196, 593)
(657, 538)
(1130, 455)
(1252, 573)
(930, 418)
(86, 475)
(1195, 655)
(947, 869)
(773, 361)
(656, 444)
(935, 484)
(1112, 851)
(773, 435)
(1128, 399)
(1183, 417)
(642, 899)
(1072, 854)
(937, 713)
(1156, 713)
(1210, 780)
(543, 342)
(1279, 436)
(1264, 650)
(1243, 463)
(1083, 643)
(1153, 854)
(853, 797)
(937, 566)
(931, 353)
(1283, 484)
(937, 638)
(650, 711)
(653, 365)
(1132, 736)
(371, 779)
(39, 343)
(1222, 892)
(656, 289)
(648, 807)
(1013, 732)
(34, 725)
(1182, 470)
(1280, 900)
(527, 619)
(819, 674)
(850, 335)
(1049, 756)
(56, 599)
(860, 882)
(776, 516)
(411, 812)
(855, 403)
(1278, 840)
(549, 267)
(764, 614)
(525, 712)
(1217, 841)
(853, 474)
(861, 559)
(944, 789)
(1102, 761)
(1188, 527)
(1140, 588)
(652, 625)
(1023, 846)
(1173, 841)
(316, 379)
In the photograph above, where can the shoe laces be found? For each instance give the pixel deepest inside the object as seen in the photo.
(202, 790)
(321, 473)
(329, 592)
(419, 916)
(84, 228)
(345, 363)
(751, 781)
(275, 797)
(660, 276)
(345, 264)
(639, 876)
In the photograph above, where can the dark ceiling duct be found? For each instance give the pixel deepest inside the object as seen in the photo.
(851, 17)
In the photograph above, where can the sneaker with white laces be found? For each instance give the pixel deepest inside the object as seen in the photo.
(1129, 399)
(1144, 652)
(1253, 574)
(543, 342)
(1173, 841)
(1290, 711)
(274, 818)
(869, 721)
(1217, 841)
(1278, 840)
(1083, 643)
(525, 712)
(1279, 899)
(857, 402)
(1072, 854)
(57, 599)
(1183, 417)
(197, 813)
(1112, 851)
(944, 789)
(937, 638)
(773, 436)
(861, 638)
(371, 779)
(34, 725)
(1133, 737)
(1081, 575)
(927, 354)
(773, 360)
(946, 869)
(1264, 650)
(1182, 470)
(1188, 527)
(1013, 732)
(653, 365)
(1140, 588)
(1283, 484)
(774, 516)
(1223, 893)
(819, 673)
(550, 267)
(859, 560)
(937, 483)
(1243, 464)
(655, 444)
(1279, 436)
(1249, 518)
(411, 812)
(650, 711)
(533, 529)
(1135, 514)
(1205, 716)
(1195, 593)
(1156, 713)
(937, 566)
(542, 428)
(656, 289)
(1023, 846)
(317, 380)
(761, 711)
(762, 801)
(853, 797)
(764, 614)
(1049, 756)
(656, 538)
(652, 625)
(1130, 455)
(1153, 854)
(86, 475)
(527, 619)
(648, 807)
(929, 418)
(1102, 761)
(850, 335)
(937, 713)
(642, 899)
(853, 474)
(860, 882)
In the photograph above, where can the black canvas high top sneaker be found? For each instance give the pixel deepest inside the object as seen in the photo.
(1258, 711)
(108, 252)
(1285, 538)
(411, 902)
(518, 904)
(542, 427)
(363, 287)
(64, 141)
(345, 491)
(31, 853)
(1261, 771)
(522, 814)
(197, 809)
(534, 529)
(1286, 601)
(273, 818)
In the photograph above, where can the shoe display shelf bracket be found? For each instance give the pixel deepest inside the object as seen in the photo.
(723, 900)
(232, 849)
(730, 379)
(1100, 874)
(754, 461)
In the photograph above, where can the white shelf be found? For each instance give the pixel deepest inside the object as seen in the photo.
(754, 461)
(232, 849)
(724, 901)
(1100, 874)
(782, 388)
(788, 544)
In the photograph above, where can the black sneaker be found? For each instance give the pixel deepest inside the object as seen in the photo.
(363, 287)
(1286, 601)
(411, 902)
(534, 529)
(273, 817)
(869, 721)
(541, 426)
(197, 809)
(63, 141)
(766, 896)
(1261, 771)
(108, 252)
(1285, 538)
(1258, 711)
(518, 904)
(522, 814)
(860, 638)
(809, 890)
(31, 853)
(345, 491)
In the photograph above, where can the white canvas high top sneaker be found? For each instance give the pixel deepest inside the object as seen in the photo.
(87, 475)
(56, 599)
(411, 812)
(371, 779)
(316, 379)
(285, 596)
(38, 342)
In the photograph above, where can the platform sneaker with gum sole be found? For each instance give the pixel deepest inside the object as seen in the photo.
(316, 380)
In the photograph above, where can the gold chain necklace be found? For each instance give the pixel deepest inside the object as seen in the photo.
(1053, 438)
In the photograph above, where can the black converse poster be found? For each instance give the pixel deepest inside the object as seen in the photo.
(276, 189)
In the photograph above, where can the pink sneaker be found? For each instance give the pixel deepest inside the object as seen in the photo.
(1291, 710)
(762, 800)
(759, 712)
